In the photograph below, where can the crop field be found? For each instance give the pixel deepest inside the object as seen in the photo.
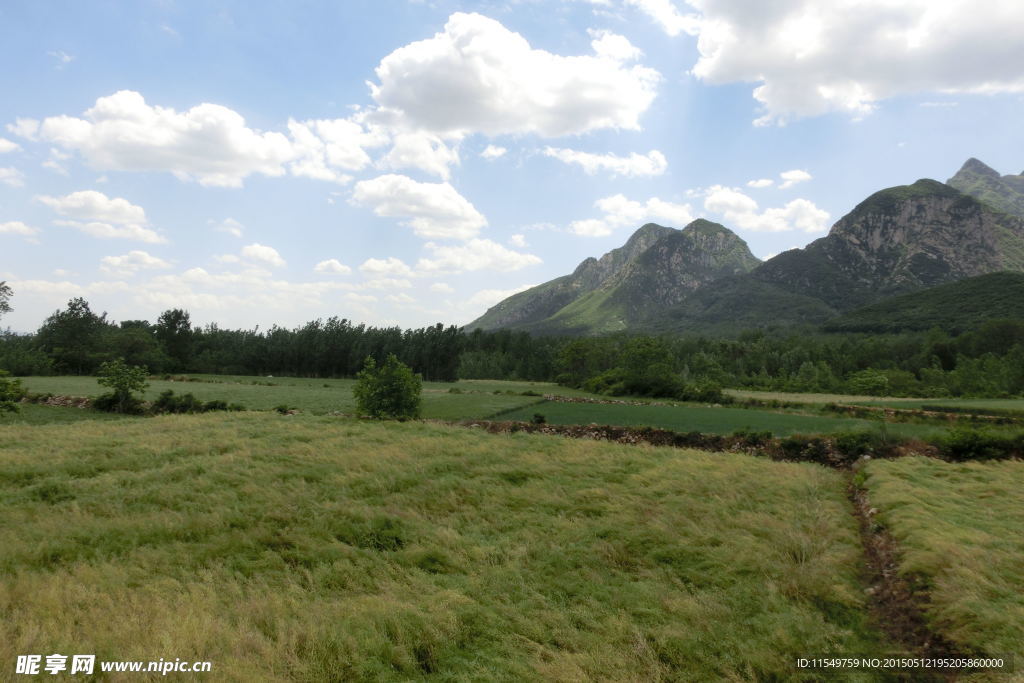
(709, 419)
(315, 548)
(961, 530)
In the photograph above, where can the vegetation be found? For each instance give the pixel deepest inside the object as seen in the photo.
(312, 548)
(391, 391)
(124, 380)
(961, 531)
(11, 392)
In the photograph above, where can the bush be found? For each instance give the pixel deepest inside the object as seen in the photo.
(10, 393)
(124, 380)
(167, 402)
(390, 391)
(962, 444)
(538, 419)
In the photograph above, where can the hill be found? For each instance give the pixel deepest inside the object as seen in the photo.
(1005, 193)
(954, 307)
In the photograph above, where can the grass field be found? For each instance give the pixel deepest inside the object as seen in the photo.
(961, 529)
(320, 396)
(709, 420)
(322, 548)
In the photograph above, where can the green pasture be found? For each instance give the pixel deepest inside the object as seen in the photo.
(961, 531)
(709, 419)
(312, 548)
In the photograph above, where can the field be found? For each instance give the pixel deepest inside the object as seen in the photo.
(322, 548)
(961, 528)
(710, 420)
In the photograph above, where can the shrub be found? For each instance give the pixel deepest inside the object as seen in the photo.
(284, 408)
(124, 379)
(962, 444)
(538, 419)
(390, 391)
(10, 393)
(455, 390)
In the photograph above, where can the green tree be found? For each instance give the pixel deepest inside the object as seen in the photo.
(74, 338)
(124, 379)
(10, 393)
(388, 391)
(174, 332)
(5, 297)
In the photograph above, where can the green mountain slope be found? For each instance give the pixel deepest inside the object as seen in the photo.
(954, 307)
(1005, 193)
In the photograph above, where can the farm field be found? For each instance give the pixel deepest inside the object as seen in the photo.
(710, 420)
(314, 548)
(961, 531)
(477, 399)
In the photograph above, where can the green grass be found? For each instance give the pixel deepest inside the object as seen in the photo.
(320, 396)
(709, 420)
(318, 548)
(982, 406)
(33, 414)
(961, 531)
(794, 397)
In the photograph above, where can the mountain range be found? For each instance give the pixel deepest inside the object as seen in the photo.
(703, 278)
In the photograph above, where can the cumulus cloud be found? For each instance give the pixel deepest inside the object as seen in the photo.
(813, 57)
(478, 76)
(17, 228)
(228, 225)
(24, 128)
(433, 210)
(98, 215)
(493, 152)
(761, 182)
(12, 176)
(131, 263)
(486, 298)
(791, 178)
(423, 151)
(476, 254)
(442, 288)
(7, 146)
(90, 205)
(666, 15)
(613, 46)
(326, 148)
(333, 266)
(209, 142)
(742, 211)
(260, 253)
(620, 211)
(650, 164)
(387, 283)
(391, 267)
(517, 240)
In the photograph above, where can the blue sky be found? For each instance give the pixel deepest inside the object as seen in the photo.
(415, 162)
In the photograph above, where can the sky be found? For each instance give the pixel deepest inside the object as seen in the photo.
(406, 163)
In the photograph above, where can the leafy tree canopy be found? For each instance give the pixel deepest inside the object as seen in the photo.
(388, 391)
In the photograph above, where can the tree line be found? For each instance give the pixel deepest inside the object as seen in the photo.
(986, 362)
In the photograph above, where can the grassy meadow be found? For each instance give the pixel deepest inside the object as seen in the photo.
(961, 531)
(316, 548)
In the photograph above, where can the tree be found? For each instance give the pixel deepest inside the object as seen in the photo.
(5, 297)
(124, 379)
(174, 332)
(74, 338)
(10, 393)
(390, 391)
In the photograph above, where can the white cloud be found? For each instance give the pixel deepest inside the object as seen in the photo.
(434, 210)
(63, 58)
(620, 212)
(7, 146)
(325, 146)
(228, 225)
(493, 152)
(262, 254)
(131, 263)
(613, 46)
(90, 205)
(105, 231)
(24, 128)
(476, 254)
(209, 142)
(401, 299)
(478, 76)
(387, 283)
(332, 266)
(811, 58)
(741, 211)
(517, 240)
(442, 288)
(486, 298)
(791, 178)
(650, 164)
(666, 15)
(12, 176)
(423, 151)
(390, 266)
(761, 182)
(17, 228)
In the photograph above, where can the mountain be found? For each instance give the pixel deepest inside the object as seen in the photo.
(656, 266)
(1005, 193)
(954, 307)
(703, 278)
